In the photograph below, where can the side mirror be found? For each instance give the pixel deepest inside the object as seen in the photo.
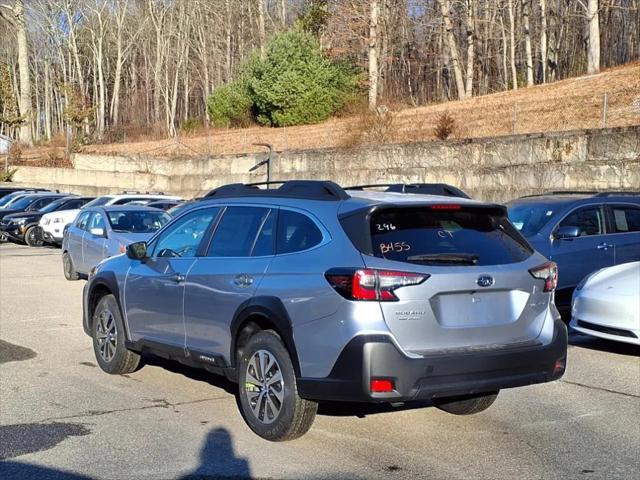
(566, 233)
(98, 232)
(137, 251)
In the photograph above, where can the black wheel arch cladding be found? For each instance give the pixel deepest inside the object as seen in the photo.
(273, 311)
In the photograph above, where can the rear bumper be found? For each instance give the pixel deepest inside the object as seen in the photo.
(435, 375)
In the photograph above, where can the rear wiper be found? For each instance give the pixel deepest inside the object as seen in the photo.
(451, 258)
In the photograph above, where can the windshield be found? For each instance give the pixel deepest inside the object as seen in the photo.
(22, 203)
(53, 206)
(11, 199)
(8, 198)
(98, 202)
(529, 218)
(136, 221)
(450, 236)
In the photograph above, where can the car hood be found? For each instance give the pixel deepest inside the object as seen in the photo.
(32, 216)
(623, 279)
(4, 213)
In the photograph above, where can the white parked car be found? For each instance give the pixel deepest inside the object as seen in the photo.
(53, 224)
(606, 304)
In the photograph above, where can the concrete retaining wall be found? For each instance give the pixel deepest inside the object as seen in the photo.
(495, 169)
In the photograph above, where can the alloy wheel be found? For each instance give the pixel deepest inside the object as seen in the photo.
(264, 386)
(106, 333)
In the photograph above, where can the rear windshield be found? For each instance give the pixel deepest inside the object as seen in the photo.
(463, 236)
(137, 221)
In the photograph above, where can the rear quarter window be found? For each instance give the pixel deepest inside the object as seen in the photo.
(487, 236)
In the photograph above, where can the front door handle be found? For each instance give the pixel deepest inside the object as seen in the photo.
(178, 278)
(243, 280)
(604, 246)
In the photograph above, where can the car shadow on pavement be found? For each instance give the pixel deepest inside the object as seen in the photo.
(218, 459)
(577, 339)
(26, 471)
(361, 410)
(193, 373)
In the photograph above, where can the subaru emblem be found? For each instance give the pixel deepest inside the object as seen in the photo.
(485, 280)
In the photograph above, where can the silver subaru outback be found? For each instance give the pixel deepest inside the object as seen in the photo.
(310, 292)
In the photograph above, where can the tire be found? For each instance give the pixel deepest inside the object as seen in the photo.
(109, 340)
(295, 415)
(31, 239)
(68, 268)
(467, 405)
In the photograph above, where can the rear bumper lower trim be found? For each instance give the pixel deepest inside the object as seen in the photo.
(434, 375)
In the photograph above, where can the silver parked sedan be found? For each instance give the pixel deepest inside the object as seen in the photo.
(606, 304)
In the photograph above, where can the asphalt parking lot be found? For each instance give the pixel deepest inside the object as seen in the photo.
(61, 417)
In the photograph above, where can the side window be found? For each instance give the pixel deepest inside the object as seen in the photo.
(82, 220)
(296, 232)
(183, 238)
(73, 205)
(38, 204)
(237, 234)
(264, 244)
(97, 222)
(589, 220)
(625, 218)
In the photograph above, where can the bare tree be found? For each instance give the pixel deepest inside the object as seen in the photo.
(261, 28)
(16, 18)
(526, 12)
(543, 39)
(471, 32)
(593, 40)
(512, 45)
(373, 54)
(445, 9)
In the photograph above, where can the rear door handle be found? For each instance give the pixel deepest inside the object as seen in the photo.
(604, 246)
(243, 280)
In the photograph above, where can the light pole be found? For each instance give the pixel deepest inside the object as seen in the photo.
(267, 161)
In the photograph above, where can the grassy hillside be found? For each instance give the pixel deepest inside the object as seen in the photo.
(576, 103)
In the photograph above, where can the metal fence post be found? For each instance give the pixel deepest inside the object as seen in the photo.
(515, 119)
(605, 106)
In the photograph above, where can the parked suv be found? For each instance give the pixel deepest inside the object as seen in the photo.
(580, 231)
(102, 232)
(310, 293)
(54, 225)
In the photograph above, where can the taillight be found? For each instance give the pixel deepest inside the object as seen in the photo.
(547, 272)
(381, 385)
(371, 284)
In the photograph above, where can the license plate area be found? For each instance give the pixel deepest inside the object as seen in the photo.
(478, 308)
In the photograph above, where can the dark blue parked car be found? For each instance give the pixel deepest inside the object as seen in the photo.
(582, 232)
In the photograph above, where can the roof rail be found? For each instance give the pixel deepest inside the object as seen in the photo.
(138, 192)
(420, 188)
(310, 189)
(561, 192)
(620, 193)
(611, 193)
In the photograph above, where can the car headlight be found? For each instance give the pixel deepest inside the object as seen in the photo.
(19, 221)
